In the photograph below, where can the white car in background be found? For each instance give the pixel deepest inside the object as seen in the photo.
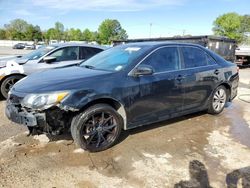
(47, 57)
(29, 47)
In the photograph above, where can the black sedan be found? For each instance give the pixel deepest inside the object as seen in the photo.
(19, 46)
(122, 88)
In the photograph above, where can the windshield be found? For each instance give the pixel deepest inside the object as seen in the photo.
(38, 53)
(114, 59)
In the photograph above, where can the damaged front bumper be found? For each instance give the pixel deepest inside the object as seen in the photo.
(29, 119)
(53, 120)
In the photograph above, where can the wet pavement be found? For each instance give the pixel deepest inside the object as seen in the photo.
(198, 150)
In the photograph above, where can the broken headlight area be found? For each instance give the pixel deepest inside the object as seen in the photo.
(41, 113)
(56, 121)
(43, 101)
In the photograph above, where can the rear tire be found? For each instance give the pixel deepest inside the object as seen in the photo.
(97, 128)
(218, 100)
(8, 83)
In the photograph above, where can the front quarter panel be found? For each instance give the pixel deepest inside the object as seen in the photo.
(115, 86)
(118, 87)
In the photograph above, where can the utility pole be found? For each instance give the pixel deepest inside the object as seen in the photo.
(150, 29)
(183, 32)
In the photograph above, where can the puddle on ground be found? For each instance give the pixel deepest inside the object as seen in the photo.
(239, 129)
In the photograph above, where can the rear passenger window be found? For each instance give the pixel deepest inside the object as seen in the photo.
(210, 60)
(164, 59)
(87, 52)
(194, 57)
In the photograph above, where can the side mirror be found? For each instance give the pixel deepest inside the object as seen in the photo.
(143, 70)
(49, 59)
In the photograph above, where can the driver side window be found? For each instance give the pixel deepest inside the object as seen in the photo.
(66, 54)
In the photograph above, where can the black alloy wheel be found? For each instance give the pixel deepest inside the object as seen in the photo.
(97, 128)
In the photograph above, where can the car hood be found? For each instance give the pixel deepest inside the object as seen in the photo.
(69, 78)
(4, 60)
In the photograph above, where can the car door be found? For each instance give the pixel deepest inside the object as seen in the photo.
(198, 77)
(64, 56)
(160, 93)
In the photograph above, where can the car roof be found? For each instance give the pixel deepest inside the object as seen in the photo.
(78, 44)
(159, 44)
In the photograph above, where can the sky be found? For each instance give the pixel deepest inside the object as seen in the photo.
(140, 18)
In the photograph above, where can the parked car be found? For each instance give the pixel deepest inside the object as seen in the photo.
(19, 46)
(122, 88)
(40, 44)
(54, 56)
(29, 47)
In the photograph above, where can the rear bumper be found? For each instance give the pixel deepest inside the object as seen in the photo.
(29, 119)
(234, 86)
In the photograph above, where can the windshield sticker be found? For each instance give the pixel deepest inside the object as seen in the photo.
(132, 49)
(118, 68)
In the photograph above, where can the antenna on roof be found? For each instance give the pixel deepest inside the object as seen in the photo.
(150, 29)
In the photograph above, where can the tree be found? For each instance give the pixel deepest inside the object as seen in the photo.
(245, 28)
(66, 35)
(229, 25)
(16, 29)
(2, 34)
(95, 37)
(37, 34)
(75, 34)
(87, 35)
(17, 25)
(19, 29)
(56, 33)
(33, 33)
(51, 34)
(59, 29)
(245, 23)
(110, 30)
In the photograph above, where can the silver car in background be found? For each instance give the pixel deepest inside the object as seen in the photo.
(47, 57)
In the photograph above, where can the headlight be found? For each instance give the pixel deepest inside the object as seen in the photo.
(43, 101)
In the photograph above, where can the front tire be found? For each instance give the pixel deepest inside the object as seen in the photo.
(8, 83)
(218, 100)
(97, 128)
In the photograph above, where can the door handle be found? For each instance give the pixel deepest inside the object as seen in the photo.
(180, 78)
(216, 72)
